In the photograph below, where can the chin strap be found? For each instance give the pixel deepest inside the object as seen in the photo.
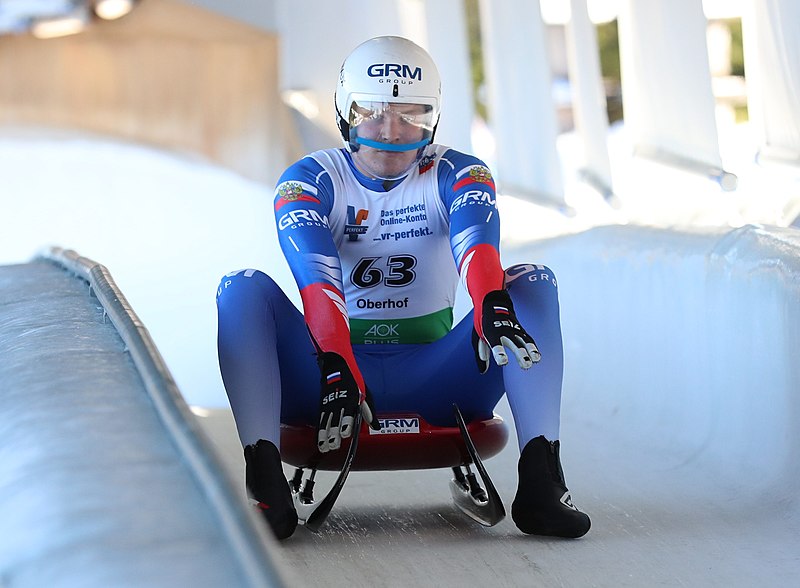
(392, 146)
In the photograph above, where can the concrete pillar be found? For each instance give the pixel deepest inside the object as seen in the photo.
(771, 31)
(521, 111)
(666, 83)
(588, 98)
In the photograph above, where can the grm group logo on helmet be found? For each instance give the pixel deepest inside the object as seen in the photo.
(380, 70)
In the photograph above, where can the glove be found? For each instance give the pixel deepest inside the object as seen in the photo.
(339, 401)
(501, 329)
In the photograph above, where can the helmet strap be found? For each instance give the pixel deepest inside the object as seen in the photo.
(392, 146)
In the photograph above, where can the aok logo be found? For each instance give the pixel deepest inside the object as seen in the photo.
(381, 70)
(382, 330)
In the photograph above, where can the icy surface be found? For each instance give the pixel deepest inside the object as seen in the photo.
(93, 492)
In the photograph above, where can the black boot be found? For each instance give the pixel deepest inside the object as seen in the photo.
(543, 505)
(268, 486)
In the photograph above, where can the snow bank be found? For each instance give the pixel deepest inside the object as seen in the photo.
(166, 226)
(685, 342)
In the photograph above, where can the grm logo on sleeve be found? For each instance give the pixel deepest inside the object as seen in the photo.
(302, 218)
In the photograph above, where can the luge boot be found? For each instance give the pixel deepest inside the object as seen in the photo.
(268, 487)
(543, 505)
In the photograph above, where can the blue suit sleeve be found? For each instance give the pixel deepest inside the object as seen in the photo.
(303, 203)
(467, 190)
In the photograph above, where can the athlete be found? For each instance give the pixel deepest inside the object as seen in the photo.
(376, 235)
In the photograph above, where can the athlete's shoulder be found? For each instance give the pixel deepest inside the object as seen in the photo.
(310, 175)
(311, 166)
(458, 171)
(454, 164)
(456, 159)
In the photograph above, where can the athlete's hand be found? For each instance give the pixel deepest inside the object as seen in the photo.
(501, 330)
(339, 401)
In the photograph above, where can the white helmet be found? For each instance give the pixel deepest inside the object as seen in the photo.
(387, 70)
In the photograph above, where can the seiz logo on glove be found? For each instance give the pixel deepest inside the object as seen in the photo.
(500, 330)
(340, 399)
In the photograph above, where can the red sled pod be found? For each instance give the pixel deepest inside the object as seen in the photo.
(405, 442)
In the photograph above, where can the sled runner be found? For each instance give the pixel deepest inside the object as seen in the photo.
(406, 442)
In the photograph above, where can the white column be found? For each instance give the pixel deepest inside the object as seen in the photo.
(771, 31)
(588, 98)
(316, 37)
(448, 44)
(666, 84)
(521, 111)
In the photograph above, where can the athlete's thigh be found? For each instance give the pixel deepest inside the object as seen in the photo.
(258, 325)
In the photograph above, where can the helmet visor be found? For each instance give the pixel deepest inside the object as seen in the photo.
(391, 126)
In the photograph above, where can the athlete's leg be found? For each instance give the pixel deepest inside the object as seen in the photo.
(265, 356)
(269, 368)
(542, 504)
(535, 394)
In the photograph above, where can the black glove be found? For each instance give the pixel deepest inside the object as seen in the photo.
(501, 329)
(339, 401)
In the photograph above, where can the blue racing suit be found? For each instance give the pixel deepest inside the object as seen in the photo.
(377, 264)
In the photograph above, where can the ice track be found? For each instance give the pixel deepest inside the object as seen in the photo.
(105, 479)
(680, 437)
(655, 522)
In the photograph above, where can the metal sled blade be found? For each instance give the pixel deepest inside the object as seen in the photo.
(313, 514)
(483, 505)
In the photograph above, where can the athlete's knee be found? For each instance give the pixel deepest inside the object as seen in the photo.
(243, 280)
(533, 288)
(530, 274)
(246, 285)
